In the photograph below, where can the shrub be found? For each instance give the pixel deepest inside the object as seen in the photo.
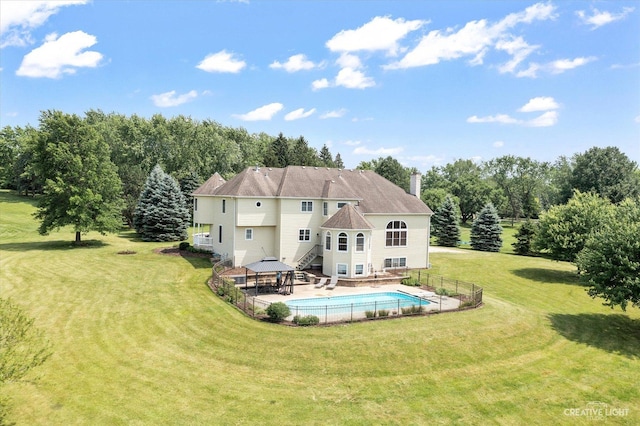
(467, 304)
(411, 281)
(383, 313)
(306, 320)
(370, 314)
(442, 291)
(183, 245)
(413, 309)
(278, 311)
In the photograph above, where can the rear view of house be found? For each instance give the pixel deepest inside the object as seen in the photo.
(350, 223)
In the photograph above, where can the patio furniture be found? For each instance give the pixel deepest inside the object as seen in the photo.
(332, 283)
(321, 283)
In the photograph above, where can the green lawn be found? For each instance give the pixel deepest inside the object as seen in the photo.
(140, 339)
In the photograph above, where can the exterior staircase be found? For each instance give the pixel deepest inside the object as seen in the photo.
(309, 257)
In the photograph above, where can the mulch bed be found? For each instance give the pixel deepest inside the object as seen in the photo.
(175, 251)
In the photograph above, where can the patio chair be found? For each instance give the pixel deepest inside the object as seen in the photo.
(321, 283)
(332, 284)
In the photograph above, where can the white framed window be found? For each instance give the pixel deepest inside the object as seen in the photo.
(195, 204)
(359, 269)
(220, 234)
(327, 241)
(360, 242)
(304, 235)
(395, 262)
(224, 206)
(306, 206)
(396, 235)
(325, 209)
(342, 268)
(343, 242)
(258, 204)
(248, 234)
(341, 204)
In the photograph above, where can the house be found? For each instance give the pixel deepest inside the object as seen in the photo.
(351, 223)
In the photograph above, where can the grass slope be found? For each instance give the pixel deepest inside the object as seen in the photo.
(140, 339)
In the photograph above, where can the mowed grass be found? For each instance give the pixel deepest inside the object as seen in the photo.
(140, 339)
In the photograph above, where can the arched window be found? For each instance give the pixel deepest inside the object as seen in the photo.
(343, 242)
(396, 234)
(327, 241)
(360, 242)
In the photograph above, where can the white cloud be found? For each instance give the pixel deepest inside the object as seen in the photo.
(381, 33)
(347, 60)
(264, 113)
(498, 144)
(518, 49)
(547, 119)
(598, 18)
(352, 143)
(18, 18)
(170, 99)
(555, 67)
(499, 118)
(323, 83)
(541, 103)
(298, 114)
(294, 63)
(353, 79)
(362, 150)
(637, 119)
(222, 61)
(334, 114)
(60, 55)
(563, 65)
(474, 39)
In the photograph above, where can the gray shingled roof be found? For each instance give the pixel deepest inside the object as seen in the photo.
(373, 193)
(347, 218)
(210, 185)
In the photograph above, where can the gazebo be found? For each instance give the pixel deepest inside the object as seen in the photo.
(270, 265)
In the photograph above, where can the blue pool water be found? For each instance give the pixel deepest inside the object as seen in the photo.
(355, 303)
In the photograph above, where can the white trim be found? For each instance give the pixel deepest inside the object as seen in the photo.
(346, 269)
(304, 235)
(355, 269)
(346, 250)
(306, 206)
(248, 234)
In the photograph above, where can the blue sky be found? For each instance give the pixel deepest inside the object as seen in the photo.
(426, 82)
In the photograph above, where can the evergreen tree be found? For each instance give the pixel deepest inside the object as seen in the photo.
(326, 159)
(486, 230)
(446, 226)
(161, 214)
(279, 154)
(188, 184)
(524, 238)
(338, 161)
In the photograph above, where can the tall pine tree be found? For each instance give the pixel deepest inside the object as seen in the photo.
(161, 214)
(446, 226)
(486, 230)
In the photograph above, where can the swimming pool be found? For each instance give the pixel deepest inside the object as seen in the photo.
(355, 305)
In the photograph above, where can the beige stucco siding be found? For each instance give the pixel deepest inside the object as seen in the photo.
(259, 247)
(292, 220)
(205, 210)
(416, 250)
(257, 212)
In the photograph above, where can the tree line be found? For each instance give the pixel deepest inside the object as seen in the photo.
(187, 149)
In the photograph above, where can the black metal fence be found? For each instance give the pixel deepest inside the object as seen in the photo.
(431, 294)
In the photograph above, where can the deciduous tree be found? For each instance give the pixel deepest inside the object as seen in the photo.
(607, 172)
(564, 229)
(610, 261)
(81, 185)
